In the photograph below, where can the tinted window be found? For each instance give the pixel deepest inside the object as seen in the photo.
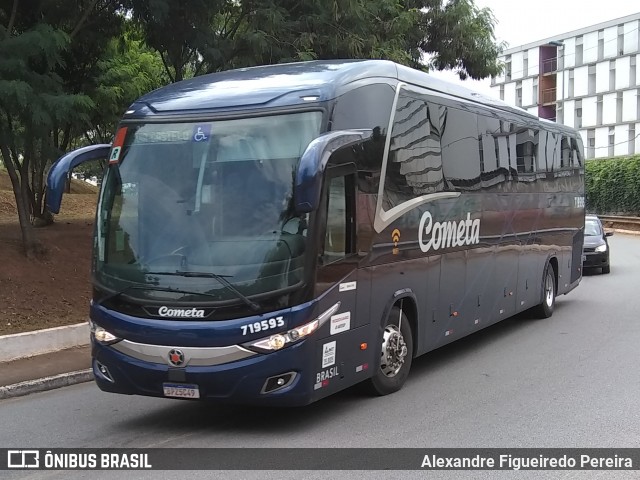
(414, 165)
(460, 150)
(489, 132)
(366, 107)
(335, 243)
(526, 150)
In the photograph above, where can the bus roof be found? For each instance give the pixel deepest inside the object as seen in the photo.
(290, 84)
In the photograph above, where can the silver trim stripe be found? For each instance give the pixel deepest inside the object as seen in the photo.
(193, 356)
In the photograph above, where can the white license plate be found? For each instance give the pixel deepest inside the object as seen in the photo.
(178, 390)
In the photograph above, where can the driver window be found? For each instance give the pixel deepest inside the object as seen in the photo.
(335, 241)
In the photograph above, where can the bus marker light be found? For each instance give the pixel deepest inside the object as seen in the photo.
(363, 346)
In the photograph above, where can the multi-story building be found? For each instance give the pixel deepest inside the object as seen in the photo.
(588, 79)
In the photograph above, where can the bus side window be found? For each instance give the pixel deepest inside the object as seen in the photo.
(335, 240)
(339, 238)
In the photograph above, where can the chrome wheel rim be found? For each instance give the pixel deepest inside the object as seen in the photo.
(548, 289)
(394, 351)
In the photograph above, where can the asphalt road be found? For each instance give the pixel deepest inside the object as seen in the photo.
(568, 381)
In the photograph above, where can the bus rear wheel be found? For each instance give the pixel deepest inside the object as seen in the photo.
(395, 355)
(545, 309)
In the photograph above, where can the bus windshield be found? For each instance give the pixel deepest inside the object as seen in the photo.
(202, 211)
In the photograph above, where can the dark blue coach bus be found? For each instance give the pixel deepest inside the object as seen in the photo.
(276, 234)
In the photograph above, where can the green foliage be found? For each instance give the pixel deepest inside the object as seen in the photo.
(613, 185)
(456, 35)
(197, 36)
(127, 70)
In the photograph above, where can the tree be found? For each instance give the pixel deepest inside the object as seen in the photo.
(179, 30)
(196, 36)
(127, 70)
(42, 74)
(31, 102)
(455, 36)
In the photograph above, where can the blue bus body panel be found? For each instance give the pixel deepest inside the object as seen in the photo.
(194, 333)
(239, 381)
(266, 86)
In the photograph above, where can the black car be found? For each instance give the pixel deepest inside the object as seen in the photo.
(595, 253)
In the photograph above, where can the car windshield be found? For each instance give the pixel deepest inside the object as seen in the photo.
(204, 208)
(592, 228)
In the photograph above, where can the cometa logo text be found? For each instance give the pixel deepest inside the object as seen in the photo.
(181, 312)
(447, 234)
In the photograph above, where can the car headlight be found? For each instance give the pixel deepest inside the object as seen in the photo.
(281, 340)
(601, 248)
(101, 335)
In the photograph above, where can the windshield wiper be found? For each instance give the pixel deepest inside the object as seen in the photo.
(149, 287)
(220, 278)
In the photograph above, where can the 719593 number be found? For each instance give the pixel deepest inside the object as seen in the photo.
(262, 326)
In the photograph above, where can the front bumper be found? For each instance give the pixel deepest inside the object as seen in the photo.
(241, 381)
(595, 259)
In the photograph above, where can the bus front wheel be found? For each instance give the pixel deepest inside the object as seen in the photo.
(394, 356)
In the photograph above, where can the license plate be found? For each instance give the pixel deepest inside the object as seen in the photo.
(178, 390)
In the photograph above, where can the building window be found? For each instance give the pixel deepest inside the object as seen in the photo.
(502, 92)
(579, 49)
(612, 141)
(620, 39)
(592, 80)
(591, 143)
(599, 110)
(600, 46)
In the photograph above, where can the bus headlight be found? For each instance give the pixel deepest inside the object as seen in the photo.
(601, 248)
(281, 340)
(101, 335)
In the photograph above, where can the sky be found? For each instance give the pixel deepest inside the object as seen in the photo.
(520, 22)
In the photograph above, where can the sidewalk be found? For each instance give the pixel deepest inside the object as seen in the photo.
(45, 372)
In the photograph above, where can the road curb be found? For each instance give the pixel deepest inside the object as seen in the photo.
(46, 383)
(30, 344)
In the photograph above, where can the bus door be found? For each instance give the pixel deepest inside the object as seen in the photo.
(342, 353)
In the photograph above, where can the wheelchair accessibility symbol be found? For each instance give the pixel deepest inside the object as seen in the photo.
(201, 133)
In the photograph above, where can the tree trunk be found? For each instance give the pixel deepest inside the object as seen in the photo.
(31, 246)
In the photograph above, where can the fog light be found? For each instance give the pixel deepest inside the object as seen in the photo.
(278, 382)
(104, 371)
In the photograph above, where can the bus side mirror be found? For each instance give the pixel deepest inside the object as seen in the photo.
(308, 179)
(59, 171)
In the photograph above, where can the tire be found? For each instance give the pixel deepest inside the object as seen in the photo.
(388, 376)
(606, 269)
(545, 308)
